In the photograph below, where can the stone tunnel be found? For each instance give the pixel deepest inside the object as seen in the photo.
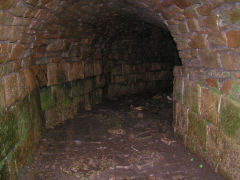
(57, 55)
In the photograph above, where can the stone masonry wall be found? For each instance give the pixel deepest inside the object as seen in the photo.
(139, 58)
(45, 43)
(51, 63)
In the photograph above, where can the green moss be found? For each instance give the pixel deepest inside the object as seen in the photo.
(236, 89)
(197, 130)
(215, 91)
(67, 101)
(8, 133)
(192, 96)
(4, 172)
(47, 100)
(230, 117)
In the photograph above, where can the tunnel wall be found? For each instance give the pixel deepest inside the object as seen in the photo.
(51, 65)
(42, 52)
(206, 87)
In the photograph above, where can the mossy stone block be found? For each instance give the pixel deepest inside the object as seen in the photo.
(230, 117)
(8, 132)
(47, 100)
(197, 131)
(77, 88)
(192, 96)
(209, 105)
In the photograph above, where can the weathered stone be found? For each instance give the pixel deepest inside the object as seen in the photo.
(182, 4)
(230, 61)
(88, 69)
(209, 59)
(209, 105)
(212, 83)
(88, 86)
(40, 74)
(193, 25)
(181, 120)
(217, 38)
(183, 28)
(20, 9)
(190, 12)
(192, 96)
(55, 74)
(198, 41)
(56, 45)
(227, 87)
(230, 16)
(230, 117)
(233, 38)
(17, 52)
(197, 133)
(10, 89)
(209, 22)
(205, 9)
(97, 67)
(7, 4)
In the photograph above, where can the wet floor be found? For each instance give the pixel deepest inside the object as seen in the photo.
(128, 138)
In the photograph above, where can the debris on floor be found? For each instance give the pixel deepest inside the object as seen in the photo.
(126, 139)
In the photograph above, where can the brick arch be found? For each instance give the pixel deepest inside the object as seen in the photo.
(206, 87)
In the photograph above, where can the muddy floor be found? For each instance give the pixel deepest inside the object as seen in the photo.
(127, 138)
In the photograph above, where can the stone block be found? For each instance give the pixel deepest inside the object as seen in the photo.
(230, 61)
(205, 9)
(230, 16)
(190, 12)
(55, 74)
(178, 89)
(97, 67)
(197, 133)
(209, 105)
(212, 83)
(209, 59)
(47, 100)
(40, 73)
(6, 18)
(198, 41)
(177, 71)
(192, 96)
(217, 39)
(88, 86)
(56, 45)
(183, 28)
(193, 25)
(100, 81)
(7, 4)
(77, 89)
(10, 88)
(118, 79)
(233, 38)
(88, 69)
(9, 132)
(230, 117)
(180, 123)
(181, 43)
(209, 22)
(227, 87)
